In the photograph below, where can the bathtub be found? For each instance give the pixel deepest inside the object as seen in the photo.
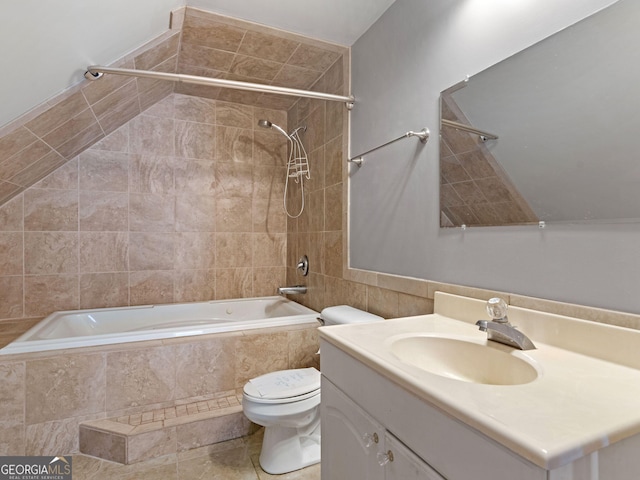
(104, 326)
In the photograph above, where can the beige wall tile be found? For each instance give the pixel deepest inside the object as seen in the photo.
(151, 251)
(296, 77)
(12, 398)
(151, 212)
(141, 377)
(269, 249)
(158, 54)
(104, 171)
(257, 354)
(104, 252)
(203, 367)
(116, 141)
(119, 115)
(234, 115)
(14, 142)
(151, 135)
(11, 253)
(194, 176)
(51, 438)
(51, 210)
(233, 215)
(383, 302)
(219, 429)
(206, 57)
(234, 145)
(11, 296)
(304, 345)
(195, 140)
(233, 180)
(103, 211)
(266, 280)
(64, 386)
(270, 47)
(198, 30)
(151, 287)
(333, 254)
(151, 174)
(45, 294)
(115, 100)
(58, 115)
(195, 250)
(11, 215)
(334, 162)
(195, 109)
(101, 290)
(195, 213)
(150, 445)
(269, 148)
(63, 178)
(23, 159)
(37, 171)
(410, 305)
(233, 283)
(309, 56)
(50, 253)
(234, 250)
(102, 445)
(268, 215)
(194, 285)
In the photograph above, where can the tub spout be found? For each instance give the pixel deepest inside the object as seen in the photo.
(298, 289)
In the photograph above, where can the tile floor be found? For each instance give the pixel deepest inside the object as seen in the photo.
(233, 460)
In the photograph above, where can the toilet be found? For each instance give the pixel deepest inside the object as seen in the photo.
(287, 404)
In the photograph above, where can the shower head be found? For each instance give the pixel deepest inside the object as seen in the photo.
(267, 124)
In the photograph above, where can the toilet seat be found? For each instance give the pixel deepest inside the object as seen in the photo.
(284, 386)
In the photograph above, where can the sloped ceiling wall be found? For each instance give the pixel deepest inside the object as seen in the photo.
(212, 45)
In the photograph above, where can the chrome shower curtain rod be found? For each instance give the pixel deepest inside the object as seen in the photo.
(94, 72)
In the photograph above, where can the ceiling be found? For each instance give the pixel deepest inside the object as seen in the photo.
(336, 21)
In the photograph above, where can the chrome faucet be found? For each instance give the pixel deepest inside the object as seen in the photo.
(500, 330)
(296, 290)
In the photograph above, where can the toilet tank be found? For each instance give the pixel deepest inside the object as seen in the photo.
(345, 314)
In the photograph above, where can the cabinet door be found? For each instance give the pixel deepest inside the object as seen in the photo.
(350, 438)
(403, 464)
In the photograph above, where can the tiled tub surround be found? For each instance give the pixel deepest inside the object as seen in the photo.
(180, 204)
(46, 396)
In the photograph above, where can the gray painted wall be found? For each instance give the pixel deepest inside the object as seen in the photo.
(415, 50)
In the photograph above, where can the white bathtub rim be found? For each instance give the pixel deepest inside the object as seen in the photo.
(34, 346)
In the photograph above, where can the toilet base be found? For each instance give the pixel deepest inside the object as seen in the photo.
(287, 449)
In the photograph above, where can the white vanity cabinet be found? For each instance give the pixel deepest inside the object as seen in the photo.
(357, 403)
(355, 446)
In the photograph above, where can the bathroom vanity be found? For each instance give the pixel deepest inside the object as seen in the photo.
(429, 397)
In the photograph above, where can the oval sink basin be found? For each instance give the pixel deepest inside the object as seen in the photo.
(463, 360)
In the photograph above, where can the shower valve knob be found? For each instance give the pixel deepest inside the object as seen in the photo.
(303, 265)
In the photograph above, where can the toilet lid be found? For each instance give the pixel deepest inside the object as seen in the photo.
(284, 384)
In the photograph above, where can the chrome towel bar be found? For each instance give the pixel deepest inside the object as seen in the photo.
(423, 135)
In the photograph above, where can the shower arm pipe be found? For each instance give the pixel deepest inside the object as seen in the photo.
(94, 72)
(423, 135)
(467, 128)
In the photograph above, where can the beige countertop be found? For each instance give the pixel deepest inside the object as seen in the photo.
(579, 403)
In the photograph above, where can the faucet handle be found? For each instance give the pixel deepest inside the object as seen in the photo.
(497, 308)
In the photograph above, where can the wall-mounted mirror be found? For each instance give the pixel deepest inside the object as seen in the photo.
(566, 114)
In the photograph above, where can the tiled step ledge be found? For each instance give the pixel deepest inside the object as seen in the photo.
(133, 438)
